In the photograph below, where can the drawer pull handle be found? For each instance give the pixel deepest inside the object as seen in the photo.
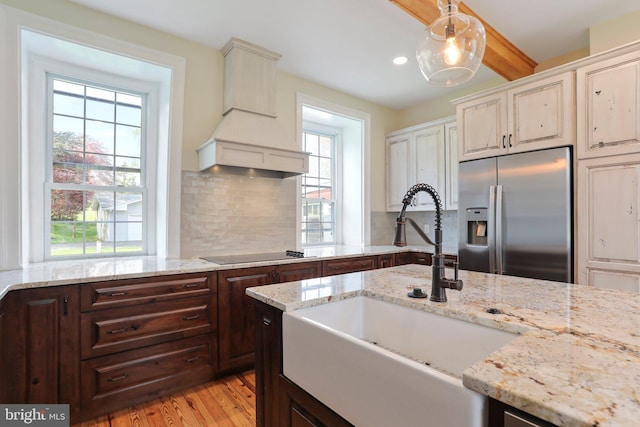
(193, 359)
(118, 378)
(191, 285)
(117, 331)
(197, 316)
(117, 294)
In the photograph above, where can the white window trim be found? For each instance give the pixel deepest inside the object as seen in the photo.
(14, 130)
(365, 119)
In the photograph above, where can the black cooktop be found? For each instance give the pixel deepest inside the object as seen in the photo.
(247, 258)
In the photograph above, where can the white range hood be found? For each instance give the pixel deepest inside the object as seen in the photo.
(249, 135)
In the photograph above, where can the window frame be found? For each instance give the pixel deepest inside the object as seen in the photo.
(336, 178)
(38, 151)
(50, 185)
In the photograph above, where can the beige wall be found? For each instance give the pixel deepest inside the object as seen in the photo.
(562, 59)
(615, 32)
(441, 107)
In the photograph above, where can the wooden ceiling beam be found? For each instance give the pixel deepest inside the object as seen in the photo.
(500, 55)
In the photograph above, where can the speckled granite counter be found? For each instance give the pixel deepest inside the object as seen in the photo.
(576, 363)
(57, 273)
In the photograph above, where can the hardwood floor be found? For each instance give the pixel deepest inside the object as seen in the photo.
(227, 402)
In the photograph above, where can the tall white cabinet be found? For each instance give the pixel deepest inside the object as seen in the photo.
(608, 149)
(609, 222)
(425, 153)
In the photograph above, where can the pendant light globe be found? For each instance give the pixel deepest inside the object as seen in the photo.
(451, 49)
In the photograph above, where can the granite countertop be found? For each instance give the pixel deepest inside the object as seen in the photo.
(57, 273)
(575, 363)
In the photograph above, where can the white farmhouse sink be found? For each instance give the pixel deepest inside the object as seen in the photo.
(367, 360)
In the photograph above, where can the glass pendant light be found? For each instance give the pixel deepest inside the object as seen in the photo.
(452, 47)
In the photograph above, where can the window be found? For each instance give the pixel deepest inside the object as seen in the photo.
(99, 151)
(334, 205)
(319, 189)
(95, 189)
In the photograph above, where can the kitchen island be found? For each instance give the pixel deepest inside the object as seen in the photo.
(575, 363)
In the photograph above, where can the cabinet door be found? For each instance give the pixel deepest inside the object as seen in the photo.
(268, 364)
(44, 364)
(608, 102)
(299, 271)
(482, 127)
(386, 260)
(428, 163)
(541, 114)
(398, 148)
(608, 220)
(451, 167)
(236, 320)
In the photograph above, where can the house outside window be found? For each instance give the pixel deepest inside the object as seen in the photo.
(96, 192)
(319, 189)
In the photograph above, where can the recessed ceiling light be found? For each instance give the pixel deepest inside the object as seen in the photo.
(400, 60)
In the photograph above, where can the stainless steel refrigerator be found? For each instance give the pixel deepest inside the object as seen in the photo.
(515, 215)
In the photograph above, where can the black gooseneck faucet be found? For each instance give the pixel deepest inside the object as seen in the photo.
(439, 283)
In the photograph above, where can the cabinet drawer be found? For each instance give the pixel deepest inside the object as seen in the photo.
(111, 381)
(108, 331)
(348, 265)
(122, 293)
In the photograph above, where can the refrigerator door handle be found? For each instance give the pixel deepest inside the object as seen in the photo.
(499, 251)
(491, 228)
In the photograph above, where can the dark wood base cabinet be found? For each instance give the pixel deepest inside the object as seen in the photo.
(103, 346)
(236, 310)
(41, 357)
(143, 338)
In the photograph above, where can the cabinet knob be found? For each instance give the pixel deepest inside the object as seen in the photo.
(504, 137)
(194, 317)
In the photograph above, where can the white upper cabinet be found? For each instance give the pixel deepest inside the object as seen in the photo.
(428, 164)
(419, 154)
(608, 100)
(398, 160)
(525, 117)
(482, 125)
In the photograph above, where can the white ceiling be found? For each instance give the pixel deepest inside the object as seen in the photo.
(348, 45)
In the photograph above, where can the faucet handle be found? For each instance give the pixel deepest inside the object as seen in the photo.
(457, 284)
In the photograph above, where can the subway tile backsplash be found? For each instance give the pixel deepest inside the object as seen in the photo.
(225, 214)
(233, 214)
